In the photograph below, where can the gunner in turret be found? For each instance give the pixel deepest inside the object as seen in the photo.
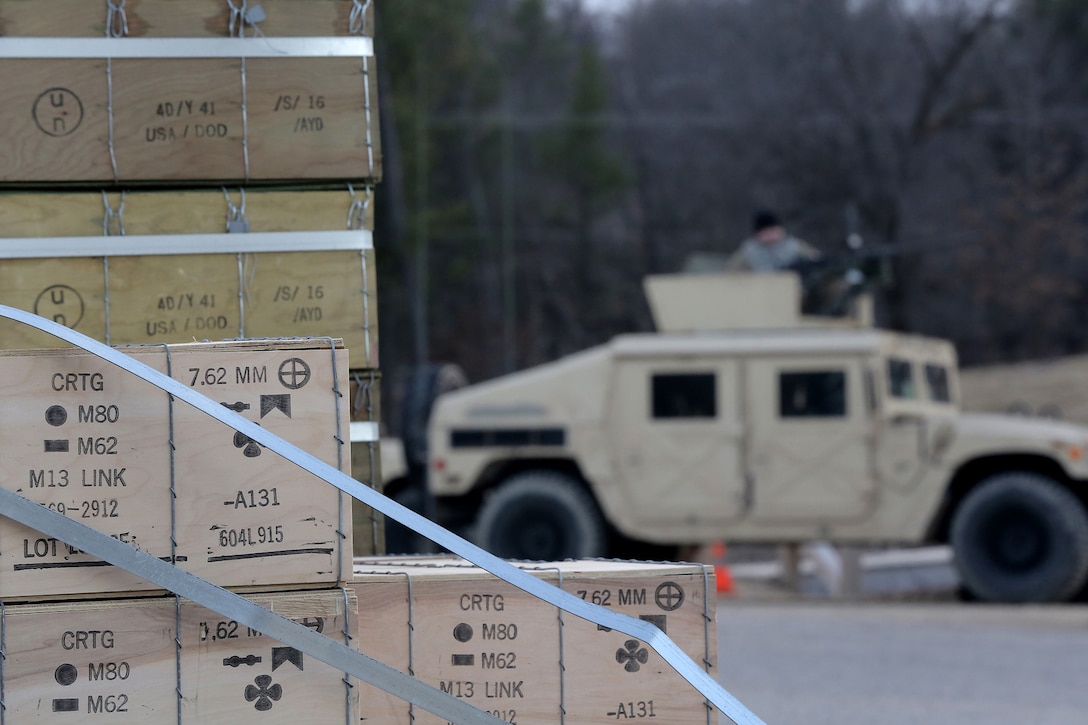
(770, 248)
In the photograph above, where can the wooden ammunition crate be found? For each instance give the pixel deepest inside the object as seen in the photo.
(178, 18)
(95, 443)
(506, 652)
(186, 119)
(185, 296)
(118, 660)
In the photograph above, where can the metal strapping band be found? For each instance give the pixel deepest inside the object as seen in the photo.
(357, 26)
(3, 661)
(357, 221)
(562, 661)
(116, 27)
(411, 640)
(228, 604)
(174, 530)
(348, 687)
(116, 20)
(155, 244)
(182, 48)
(337, 395)
(237, 28)
(706, 634)
(109, 119)
(107, 231)
(236, 222)
(240, 259)
(236, 25)
(148, 567)
(245, 123)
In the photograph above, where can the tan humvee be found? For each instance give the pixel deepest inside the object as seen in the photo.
(742, 420)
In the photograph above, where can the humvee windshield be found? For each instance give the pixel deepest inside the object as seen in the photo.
(919, 380)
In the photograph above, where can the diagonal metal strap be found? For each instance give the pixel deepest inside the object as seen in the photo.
(648, 633)
(228, 604)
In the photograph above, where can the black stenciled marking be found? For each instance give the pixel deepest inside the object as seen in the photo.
(57, 112)
(258, 555)
(317, 624)
(669, 596)
(81, 564)
(294, 373)
(61, 304)
(248, 660)
(236, 407)
(462, 660)
(280, 402)
(66, 704)
(283, 655)
(56, 446)
(632, 655)
(658, 620)
(56, 415)
(263, 693)
(462, 632)
(66, 674)
(250, 448)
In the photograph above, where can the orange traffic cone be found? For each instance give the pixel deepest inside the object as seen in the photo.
(723, 578)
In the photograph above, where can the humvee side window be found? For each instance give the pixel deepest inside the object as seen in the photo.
(937, 381)
(685, 396)
(901, 379)
(816, 394)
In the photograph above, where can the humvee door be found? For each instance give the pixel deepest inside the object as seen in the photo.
(810, 440)
(675, 436)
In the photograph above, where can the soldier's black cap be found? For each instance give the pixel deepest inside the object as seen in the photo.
(763, 219)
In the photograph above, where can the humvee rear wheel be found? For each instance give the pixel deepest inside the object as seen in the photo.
(1021, 537)
(541, 515)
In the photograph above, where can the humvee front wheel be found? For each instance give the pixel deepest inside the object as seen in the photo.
(1021, 537)
(543, 516)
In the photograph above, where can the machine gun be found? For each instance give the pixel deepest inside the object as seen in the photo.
(831, 282)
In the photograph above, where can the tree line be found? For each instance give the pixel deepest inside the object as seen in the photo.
(540, 160)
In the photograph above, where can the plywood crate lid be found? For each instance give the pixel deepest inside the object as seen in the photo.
(91, 441)
(492, 644)
(182, 18)
(176, 274)
(186, 110)
(147, 660)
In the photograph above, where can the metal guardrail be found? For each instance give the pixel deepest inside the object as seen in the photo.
(288, 632)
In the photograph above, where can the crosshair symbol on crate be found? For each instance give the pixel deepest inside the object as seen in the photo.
(294, 373)
(262, 693)
(632, 655)
(669, 596)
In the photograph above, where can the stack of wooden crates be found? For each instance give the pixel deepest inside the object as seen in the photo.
(160, 188)
(159, 192)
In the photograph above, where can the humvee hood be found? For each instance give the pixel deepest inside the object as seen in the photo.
(1022, 428)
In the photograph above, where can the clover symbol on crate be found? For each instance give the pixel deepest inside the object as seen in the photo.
(250, 448)
(262, 693)
(631, 655)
